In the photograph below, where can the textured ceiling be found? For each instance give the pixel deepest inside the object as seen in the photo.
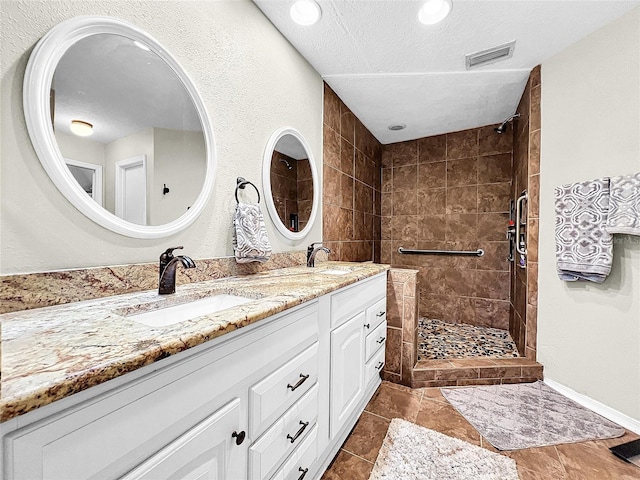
(388, 68)
(119, 88)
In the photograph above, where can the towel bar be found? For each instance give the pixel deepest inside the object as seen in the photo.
(474, 253)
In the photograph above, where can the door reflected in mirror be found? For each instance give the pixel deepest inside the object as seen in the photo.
(141, 128)
(291, 183)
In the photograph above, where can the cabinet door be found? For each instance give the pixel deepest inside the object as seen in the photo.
(207, 451)
(347, 370)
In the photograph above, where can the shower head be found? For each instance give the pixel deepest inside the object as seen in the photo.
(503, 126)
(286, 162)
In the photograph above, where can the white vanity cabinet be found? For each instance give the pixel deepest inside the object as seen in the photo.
(274, 400)
(358, 312)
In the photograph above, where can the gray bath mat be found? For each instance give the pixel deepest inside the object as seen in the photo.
(527, 415)
(412, 452)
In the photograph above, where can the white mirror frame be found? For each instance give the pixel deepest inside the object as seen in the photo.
(37, 83)
(266, 184)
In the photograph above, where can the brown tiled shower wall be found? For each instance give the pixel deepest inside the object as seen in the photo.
(451, 192)
(524, 282)
(291, 188)
(351, 184)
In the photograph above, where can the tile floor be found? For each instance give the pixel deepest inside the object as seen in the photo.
(442, 340)
(427, 407)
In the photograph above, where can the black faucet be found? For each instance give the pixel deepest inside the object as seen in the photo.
(167, 272)
(312, 251)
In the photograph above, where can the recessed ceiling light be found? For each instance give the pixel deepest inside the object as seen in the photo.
(397, 126)
(434, 11)
(305, 12)
(80, 128)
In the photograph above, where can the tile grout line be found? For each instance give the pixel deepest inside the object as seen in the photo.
(357, 456)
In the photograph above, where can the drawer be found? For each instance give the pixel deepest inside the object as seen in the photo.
(373, 367)
(356, 298)
(301, 460)
(269, 398)
(277, 443)
(375, 340)
(377, 313)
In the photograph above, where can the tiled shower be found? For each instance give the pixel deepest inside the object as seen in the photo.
(445, 192)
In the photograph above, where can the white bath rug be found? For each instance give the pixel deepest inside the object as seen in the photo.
(412, 452)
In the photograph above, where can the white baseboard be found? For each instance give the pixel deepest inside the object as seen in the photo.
(600, 408)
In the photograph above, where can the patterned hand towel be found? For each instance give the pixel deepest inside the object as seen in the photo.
(624, 204)
(584, 248)
(250, 240)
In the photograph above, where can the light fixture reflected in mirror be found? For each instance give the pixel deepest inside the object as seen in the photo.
(81, 128)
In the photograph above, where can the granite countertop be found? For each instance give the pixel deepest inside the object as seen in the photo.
(53, 352)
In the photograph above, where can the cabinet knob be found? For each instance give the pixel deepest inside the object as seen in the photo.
(239, 437)
(304, 472)
(367, 325)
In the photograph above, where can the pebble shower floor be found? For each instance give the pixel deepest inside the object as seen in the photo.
(443, 340)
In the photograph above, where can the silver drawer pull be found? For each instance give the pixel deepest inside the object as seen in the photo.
(299, 432)
(304, 472)
(380, 314)
(382, 339)
(300, 382)
(380, 365)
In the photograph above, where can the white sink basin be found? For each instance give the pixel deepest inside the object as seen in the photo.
(334, 271)
(186, 311)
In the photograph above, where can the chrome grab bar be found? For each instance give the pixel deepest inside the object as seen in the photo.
(522, 198)
(475, 253)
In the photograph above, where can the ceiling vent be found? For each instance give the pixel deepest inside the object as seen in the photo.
(491, 55)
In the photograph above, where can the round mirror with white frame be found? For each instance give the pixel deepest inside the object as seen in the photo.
(290, 183)
(119, 127)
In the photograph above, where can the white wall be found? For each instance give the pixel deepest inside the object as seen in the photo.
(179, 162)
(588, 334)
(252, 82)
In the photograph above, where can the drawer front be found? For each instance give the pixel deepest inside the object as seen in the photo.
(301, 460)
(375, 340)
(267, 454)
(374, 366)
(377, 313)
(272, 396)
(356, 298)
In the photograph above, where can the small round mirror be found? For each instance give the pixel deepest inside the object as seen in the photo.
(290, 183)
(119, 127)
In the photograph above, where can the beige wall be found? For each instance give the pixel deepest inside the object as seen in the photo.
(588, 334)
(251, 80)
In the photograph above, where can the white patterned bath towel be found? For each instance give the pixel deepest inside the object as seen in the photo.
(624, 204)
(250, 240)
(584, 248)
